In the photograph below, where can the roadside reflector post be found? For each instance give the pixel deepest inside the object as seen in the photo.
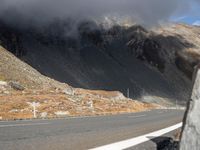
(34, 105)
(128, 93)
(91, 106)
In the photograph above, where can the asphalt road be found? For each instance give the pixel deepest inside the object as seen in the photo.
(83, 133)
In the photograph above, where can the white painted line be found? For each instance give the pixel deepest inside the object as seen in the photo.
(136, 116)
(138, 140)
(19, 125)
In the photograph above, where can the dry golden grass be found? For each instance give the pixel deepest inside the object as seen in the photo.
(2, 78)
(16, 104)
(106, 94)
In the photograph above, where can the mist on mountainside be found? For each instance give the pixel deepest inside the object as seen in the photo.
(75, 58)
(151, 65)
(146, 12)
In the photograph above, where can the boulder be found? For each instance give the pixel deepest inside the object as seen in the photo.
(190, 138)
(16, 86)
(68, 91)
(3, 83)
(43, 114)
(62, 113)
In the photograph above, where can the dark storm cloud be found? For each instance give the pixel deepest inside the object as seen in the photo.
(148, 12)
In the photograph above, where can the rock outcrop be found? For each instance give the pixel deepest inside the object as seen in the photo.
(191, 129)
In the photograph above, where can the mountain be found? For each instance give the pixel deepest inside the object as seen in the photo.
(13, 69)
(153, 65)
(21, 86)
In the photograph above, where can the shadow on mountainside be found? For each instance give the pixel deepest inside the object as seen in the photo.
(102, 59)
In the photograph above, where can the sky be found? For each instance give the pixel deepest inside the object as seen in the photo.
(191, 17)
(146, 12)
(192, 20)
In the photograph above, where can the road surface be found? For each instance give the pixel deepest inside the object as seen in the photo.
(83, 133)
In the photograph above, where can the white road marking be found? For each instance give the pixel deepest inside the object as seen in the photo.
(136, 116)
(18, 125)
(138, 140)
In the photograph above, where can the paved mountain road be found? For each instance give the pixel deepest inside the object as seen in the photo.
(83, 133)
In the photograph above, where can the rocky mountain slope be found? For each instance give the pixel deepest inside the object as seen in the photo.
(12, 69)
(154, 66)
(21, 86)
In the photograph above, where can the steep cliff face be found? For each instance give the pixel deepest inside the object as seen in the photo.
(153, 65)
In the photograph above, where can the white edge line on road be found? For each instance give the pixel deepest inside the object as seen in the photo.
(18, 125)
(137, 140)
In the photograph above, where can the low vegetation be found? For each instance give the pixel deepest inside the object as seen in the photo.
(17, 104)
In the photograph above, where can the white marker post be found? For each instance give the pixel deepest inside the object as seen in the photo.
(128, 93)
(34, 105)
(91, 105)
(34, 110)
